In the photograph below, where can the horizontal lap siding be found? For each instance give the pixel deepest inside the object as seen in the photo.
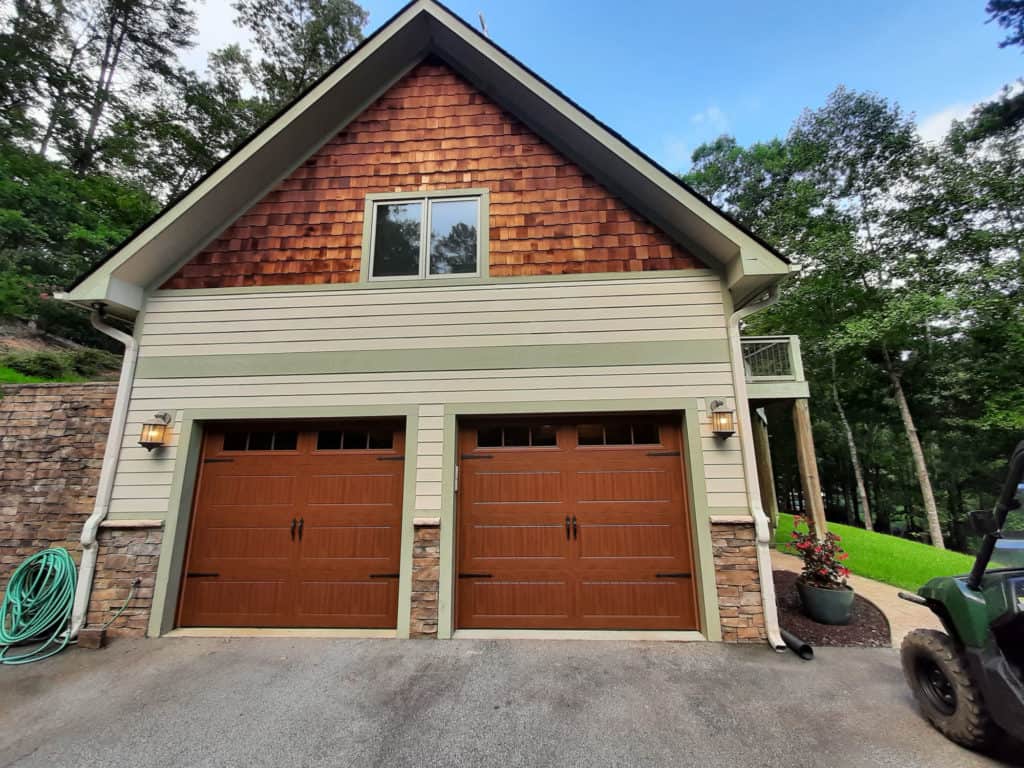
(565, 313)
(432, 131)
(495, 315)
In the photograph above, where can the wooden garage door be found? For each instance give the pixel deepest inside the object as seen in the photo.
(579, 524)
(296, 525)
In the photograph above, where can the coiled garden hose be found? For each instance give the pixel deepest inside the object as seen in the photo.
(38, 601)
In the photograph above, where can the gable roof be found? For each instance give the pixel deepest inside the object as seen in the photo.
(420, 29)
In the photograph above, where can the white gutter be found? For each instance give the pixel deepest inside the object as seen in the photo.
(108, 471)
(761, 527)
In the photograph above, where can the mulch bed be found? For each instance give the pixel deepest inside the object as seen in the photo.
(868, 626)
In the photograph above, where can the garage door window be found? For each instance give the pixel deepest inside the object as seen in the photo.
(517, 436)
(354, 439)
(261, 440)
(618, 433)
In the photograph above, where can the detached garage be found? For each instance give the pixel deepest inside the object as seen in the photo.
(435, 352)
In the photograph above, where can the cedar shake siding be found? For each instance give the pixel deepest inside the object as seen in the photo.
(432, 131)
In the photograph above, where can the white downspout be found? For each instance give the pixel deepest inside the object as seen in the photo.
(761, 527)
(108, 471)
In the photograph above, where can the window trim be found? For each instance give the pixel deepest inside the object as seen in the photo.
(373, 199)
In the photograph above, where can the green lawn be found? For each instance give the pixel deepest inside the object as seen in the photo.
(895, 561)
(11, 376)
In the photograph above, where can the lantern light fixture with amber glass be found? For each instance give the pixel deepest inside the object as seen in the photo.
(155, 432)
(723, 422)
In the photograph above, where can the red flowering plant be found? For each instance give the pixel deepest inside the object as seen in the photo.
(823, 558)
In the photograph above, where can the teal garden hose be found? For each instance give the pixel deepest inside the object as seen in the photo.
(37, 606)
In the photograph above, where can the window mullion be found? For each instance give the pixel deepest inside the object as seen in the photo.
(425, 239)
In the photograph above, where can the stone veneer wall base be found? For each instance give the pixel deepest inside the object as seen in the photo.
(426, 567)
(739, 587)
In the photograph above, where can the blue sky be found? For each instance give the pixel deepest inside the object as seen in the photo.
(669, 75)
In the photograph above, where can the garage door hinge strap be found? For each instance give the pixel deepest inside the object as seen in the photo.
(476, 575)
(391, 458)
(672, 575)
(384, 575)
(664, 453)
(217, 461)
(200, 574)
(468, 456)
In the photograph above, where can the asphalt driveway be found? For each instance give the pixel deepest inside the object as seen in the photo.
(311, 702)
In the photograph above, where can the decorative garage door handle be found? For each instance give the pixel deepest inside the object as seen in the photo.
(567, 524)
(302, 522)
(575, 528)
(294, 523)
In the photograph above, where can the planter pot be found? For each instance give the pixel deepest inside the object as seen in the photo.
(826, 606)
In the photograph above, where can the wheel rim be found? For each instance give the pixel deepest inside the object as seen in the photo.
(936, 686)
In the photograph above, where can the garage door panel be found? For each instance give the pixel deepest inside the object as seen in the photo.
(517, 487)
(248, 489)
(628, 486)
(244, 543)
(362, 489)
(655, 604)
(358, 603)
(528, 541)
(522, 602)
(224, 602)
(349, 542)
(644, 541)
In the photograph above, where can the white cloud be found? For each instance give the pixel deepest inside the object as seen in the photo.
(215, 22)
(712, 119)
(935, 126)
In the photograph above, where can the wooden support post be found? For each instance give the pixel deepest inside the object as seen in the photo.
(765, 474)
(808, 464)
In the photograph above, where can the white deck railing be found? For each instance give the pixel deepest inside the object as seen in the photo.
(772, 358)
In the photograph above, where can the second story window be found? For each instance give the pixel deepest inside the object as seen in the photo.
(429, 236)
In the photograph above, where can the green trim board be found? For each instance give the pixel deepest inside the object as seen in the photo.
(443, 359)
(175, 539)
(707, 590)
(365, 285)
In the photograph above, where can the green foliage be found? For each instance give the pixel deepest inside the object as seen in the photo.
(1009, 14)
(912, 269)
(66, 365)
(892, 560)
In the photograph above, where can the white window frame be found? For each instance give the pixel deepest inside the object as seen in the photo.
(426, 199)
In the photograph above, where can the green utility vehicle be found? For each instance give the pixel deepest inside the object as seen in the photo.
(969, 681)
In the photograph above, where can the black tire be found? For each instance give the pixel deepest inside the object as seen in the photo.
(942, 686)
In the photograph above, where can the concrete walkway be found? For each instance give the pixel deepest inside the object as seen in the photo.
(319, 703)
(903, 616)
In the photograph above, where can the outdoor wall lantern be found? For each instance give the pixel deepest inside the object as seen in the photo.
(154, 433)
(723, 424)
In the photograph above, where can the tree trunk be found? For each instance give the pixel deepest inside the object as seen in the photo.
(858, 471)
(920, 465)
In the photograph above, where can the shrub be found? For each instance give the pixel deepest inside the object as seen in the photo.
(45, 365)
(55, 365)
(89, 362)
(823, 566)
